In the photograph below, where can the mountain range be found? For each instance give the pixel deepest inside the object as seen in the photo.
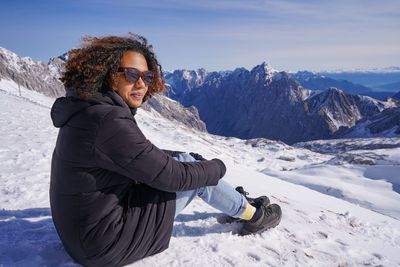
(264, 102)
(261, 102)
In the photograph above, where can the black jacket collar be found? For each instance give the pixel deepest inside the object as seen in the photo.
(64, 108)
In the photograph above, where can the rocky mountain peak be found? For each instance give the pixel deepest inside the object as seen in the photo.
(342, 109)
(194, 75)
(186, 79)
(56, 64)
(263, 72)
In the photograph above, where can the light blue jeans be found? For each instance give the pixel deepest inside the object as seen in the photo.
(222, 197)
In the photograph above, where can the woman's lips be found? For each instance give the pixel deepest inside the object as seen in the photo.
(137, 95)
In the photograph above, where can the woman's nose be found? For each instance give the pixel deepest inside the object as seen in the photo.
(140, 83)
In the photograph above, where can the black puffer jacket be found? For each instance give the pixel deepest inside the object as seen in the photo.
(112, 191)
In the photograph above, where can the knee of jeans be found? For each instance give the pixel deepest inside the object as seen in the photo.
(204, 193)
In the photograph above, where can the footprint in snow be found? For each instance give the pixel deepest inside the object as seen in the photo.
(274, 252)
(322, 235)
(253, 256)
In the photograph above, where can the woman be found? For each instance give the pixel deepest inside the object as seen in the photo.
(113, 194)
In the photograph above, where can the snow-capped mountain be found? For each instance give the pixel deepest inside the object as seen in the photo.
(339, 208)
(34, 75)
(263, 102)
(242, 103)
(183, 80)
(56, 64)
(335, 108)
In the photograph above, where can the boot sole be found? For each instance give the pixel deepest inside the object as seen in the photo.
(227, 219)
(244, 232)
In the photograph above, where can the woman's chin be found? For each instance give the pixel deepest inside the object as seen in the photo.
(135, 103)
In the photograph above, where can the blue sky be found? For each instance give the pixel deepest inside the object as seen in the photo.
(216, 34)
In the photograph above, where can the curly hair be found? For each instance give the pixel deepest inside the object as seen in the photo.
(93, 67)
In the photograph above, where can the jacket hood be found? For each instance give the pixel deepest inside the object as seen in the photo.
(64, 108)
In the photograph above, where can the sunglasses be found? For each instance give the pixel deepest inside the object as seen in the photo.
(132, 75)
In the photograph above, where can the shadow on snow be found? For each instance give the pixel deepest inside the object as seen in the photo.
(210, 225)
(28, 238)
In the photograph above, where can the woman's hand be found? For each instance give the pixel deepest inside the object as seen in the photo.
(197, 156)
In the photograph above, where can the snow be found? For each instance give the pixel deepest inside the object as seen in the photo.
(318, 227)
(196, 77)
(336, 122)
(270, 71)
(381, 105)
(11, 88)
(352, 184)
(186, 75)
(54, 71)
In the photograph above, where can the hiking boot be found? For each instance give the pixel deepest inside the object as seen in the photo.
(270, 217)
(255, 202)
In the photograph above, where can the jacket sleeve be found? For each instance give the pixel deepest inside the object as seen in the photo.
(121, 147)
(172, 153)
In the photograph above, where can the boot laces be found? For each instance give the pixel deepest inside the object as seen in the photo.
(268, 210)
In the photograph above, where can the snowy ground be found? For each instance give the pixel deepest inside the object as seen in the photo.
(328, 199)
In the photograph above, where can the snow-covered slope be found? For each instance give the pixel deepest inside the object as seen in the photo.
(316, 229)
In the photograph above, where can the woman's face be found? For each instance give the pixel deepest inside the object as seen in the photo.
(131, 92)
